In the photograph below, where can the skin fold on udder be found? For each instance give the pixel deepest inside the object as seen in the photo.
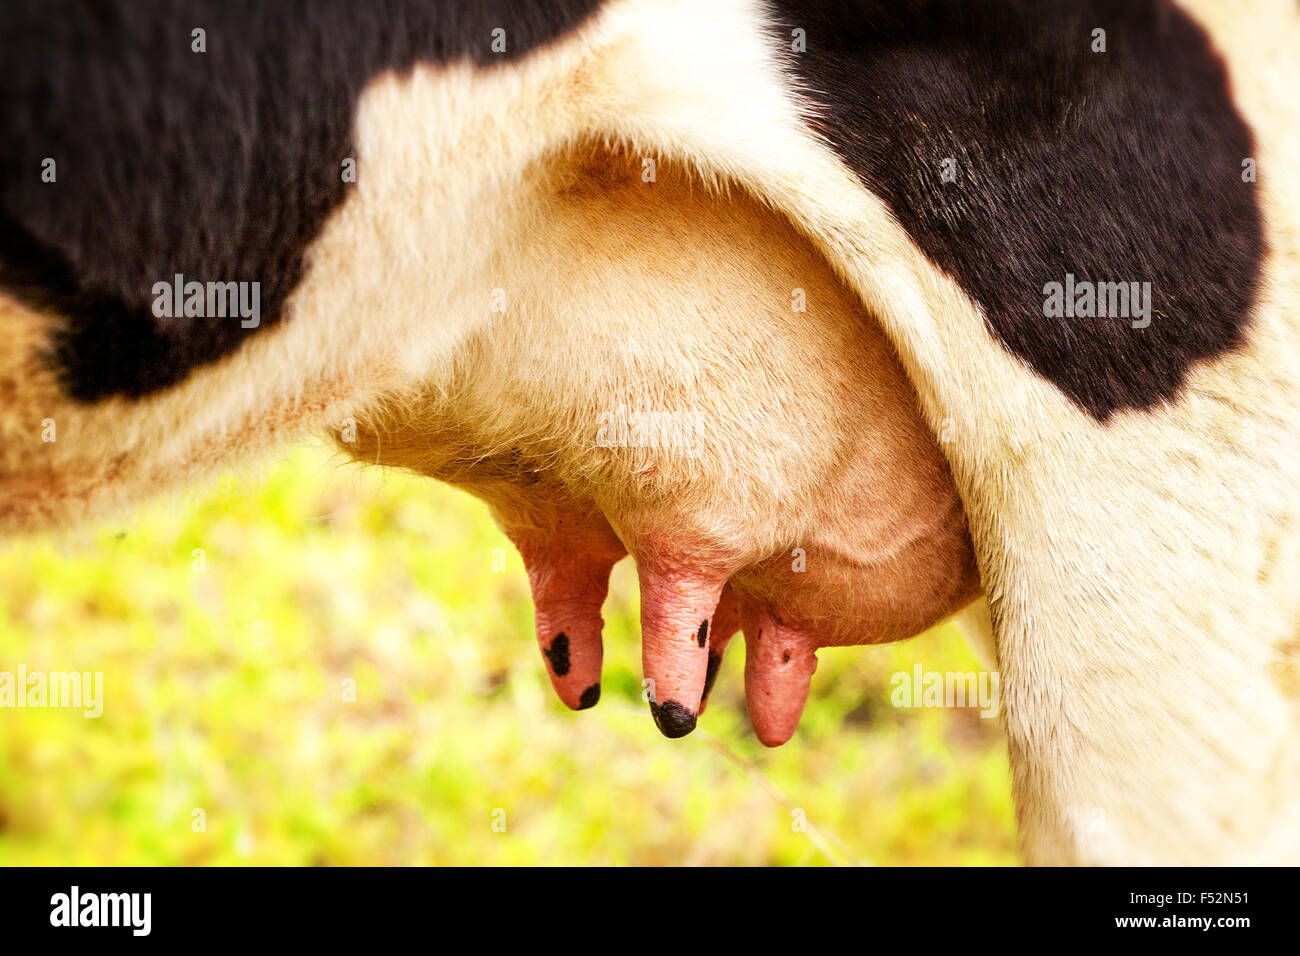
(790, 488)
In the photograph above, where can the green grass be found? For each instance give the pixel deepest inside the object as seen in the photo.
(224, 692)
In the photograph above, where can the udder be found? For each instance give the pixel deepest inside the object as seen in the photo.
(681, 377)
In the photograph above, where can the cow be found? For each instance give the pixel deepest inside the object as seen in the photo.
(936, 299)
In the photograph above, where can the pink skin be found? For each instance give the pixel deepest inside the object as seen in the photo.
(849, 590)
(846, 592)
(779, 664)
(678, 600)
(569, 548)
(569, 551)
(568, 570)
(839, 602)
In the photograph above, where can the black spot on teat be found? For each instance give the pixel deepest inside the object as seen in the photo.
(590, 697)
(672, 719)
(710, 675)
(702, 635)
(558, 654)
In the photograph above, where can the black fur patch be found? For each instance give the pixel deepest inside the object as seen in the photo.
(1117, 166)
(221, 166)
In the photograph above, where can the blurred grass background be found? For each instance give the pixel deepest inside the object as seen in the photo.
(224, 692)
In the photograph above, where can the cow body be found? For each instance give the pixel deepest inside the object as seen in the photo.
(1130, 491)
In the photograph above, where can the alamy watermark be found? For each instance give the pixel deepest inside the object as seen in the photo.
(922, 688)
(623, 428)
(208, 300)
(133, 911)
(1085, 299)
(76, 690)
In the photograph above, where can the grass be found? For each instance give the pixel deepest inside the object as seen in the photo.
(229, 626)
